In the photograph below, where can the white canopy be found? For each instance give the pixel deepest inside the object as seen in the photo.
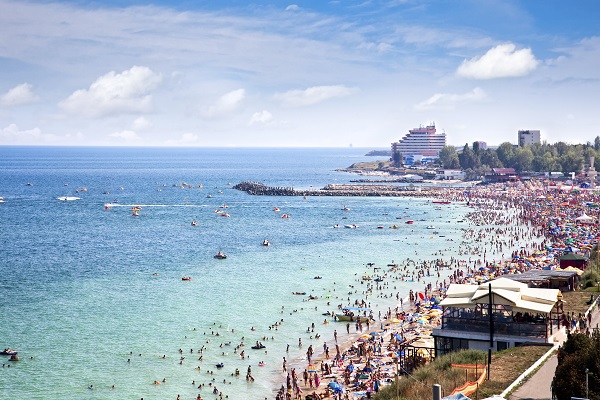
(584, 218)
(504, 291)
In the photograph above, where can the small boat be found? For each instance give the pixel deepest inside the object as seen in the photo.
(224, 206)
(68, 198)
(285, 216)
(209, 196)
(394, 227)
(266, 243)
(220, 256)
(318, 277)
(259, 346)
(14, 357)
(299, 293)
(441, 202)
(336, 226)
(1, 199)
(345, 208)
(194, 223)
(346, 317)
(186, 278)
(8, 352)
(276, 209)
(351, 226)
(430, 227)
(410, 221)
(380, 227)
(225, 215)
(29, 184)
(220, 365)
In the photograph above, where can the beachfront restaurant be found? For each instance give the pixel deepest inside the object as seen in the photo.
(519, 315)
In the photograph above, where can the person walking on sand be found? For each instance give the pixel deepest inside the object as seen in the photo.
(284, 365)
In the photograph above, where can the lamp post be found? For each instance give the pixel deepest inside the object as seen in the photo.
(586, 384)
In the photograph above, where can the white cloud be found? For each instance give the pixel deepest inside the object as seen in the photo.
(141, 124)
(261, 117)
(126, 134)
(19, 95)
(13, 135)
(312, 95)
(501, 61)
(449, 100)
(226, 104)
(293, 7)
(186, 138)
(115, 93)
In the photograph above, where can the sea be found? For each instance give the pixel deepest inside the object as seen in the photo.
(92, 297)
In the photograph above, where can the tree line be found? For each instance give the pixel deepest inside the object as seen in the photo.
(539, 157)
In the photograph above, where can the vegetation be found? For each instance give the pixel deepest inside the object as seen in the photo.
(579, 355)
(539, 157)
(507, 365)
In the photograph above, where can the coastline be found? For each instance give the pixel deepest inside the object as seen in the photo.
(480, 223)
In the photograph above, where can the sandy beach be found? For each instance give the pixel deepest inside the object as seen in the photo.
(504, 235)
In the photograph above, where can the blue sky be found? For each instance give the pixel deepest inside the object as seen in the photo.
(296, 73)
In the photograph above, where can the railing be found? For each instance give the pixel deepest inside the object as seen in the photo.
(528, 329)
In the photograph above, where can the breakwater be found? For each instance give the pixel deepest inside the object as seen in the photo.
(260, 189)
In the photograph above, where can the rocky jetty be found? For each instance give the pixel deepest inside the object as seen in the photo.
(260, 189)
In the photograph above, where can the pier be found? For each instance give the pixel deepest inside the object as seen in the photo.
(361, 190)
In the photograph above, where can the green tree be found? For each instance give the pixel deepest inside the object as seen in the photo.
(522, 159)
(490, 158)
(505, 153)
(571, 162)
(449, 157)
(579, 353)
(545, 162)
(468, 159)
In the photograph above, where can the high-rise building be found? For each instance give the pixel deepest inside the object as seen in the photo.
(422, 141)
(529, 137)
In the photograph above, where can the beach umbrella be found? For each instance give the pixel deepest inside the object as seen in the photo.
(337, 388)
(374, 333)
(350, 368)
(363, 376)
(395, 321)
(311, 368)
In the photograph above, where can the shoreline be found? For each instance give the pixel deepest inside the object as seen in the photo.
(516, 231)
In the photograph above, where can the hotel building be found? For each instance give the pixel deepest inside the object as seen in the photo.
(423, 141)
(529, 137)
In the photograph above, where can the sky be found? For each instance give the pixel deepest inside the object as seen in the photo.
(318, 73)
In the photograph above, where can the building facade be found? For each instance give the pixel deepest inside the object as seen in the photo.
(529, 137)
(423, 141)
(498, 314)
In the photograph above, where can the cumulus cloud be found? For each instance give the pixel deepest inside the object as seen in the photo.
(501, 61)
(19, 95)
(449, 100)
(226, 104)
(141, 124)
(261, 117)
(13, 135)
(312, 95)
(126, 135)
(186, 138)
(115, 93)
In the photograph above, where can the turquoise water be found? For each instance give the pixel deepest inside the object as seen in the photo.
(79, 297)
